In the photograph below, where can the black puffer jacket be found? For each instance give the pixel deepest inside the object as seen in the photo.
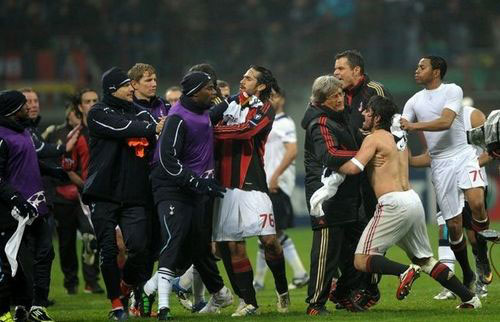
(330, 142)
(116, 173)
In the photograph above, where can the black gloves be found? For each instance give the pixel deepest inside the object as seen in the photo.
(24, 207)
(208, 186)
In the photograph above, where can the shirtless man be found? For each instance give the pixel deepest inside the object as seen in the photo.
(399, 217)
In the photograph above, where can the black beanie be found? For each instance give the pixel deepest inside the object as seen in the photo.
(193, 82)
(113, 79)
(11, 102)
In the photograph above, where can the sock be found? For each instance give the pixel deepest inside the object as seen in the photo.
(151, 285)
(116, 304)
(226, 260)
(382, 265)
(292, 257)
(125, 288)
(276, 264)
(260, 266)
(446, 255)
(243, 276)
(480, 225)
(186, 280)
(165, 277)
(441, 273)
(459, 248)
(198, 288)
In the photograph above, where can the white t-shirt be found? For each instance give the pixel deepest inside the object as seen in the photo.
(428, 105)
(283, 131)
(468, 125)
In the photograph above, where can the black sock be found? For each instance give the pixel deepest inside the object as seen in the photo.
(441, 273)
(243, 276)
(460, 251)
(226, 259)
(382, 265)
(277, 266)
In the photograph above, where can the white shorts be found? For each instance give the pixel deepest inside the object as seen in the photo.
(399, 220)
(451, 176)
(242, 214)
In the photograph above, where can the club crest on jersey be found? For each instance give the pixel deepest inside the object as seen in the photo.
(172, 208)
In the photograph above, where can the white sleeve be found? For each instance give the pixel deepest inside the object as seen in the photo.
(454, 96)
(409, 110)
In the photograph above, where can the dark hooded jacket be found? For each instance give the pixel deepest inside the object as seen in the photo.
(116, 173)
(330, 142)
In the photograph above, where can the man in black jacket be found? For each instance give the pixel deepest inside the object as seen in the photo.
(359, 88)
(330, 142)
(117, 186)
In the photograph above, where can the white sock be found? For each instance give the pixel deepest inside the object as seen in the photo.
(186, 280)
(447, 257)
(260, 266)
(292, 258)
(198, 287)
(165, 277)
(151, 285)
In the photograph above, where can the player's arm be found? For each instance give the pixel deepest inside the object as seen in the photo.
(105, 122)
(442, 123)
(217, 111)
(361, 159)
(288, 158)
(262, 119)
(326, 146)
(484, 159)
(419, 161)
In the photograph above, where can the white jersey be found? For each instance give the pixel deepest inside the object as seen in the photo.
(468, 125)
(283, 131)
(427, 105)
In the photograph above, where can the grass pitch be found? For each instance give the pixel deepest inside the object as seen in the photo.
(418, 306)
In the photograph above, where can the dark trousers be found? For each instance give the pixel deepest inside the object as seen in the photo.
(133, 222)
(333, 247)
(17, 290)
(69, 219)
(185, 230)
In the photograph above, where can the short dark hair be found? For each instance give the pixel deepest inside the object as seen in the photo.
(354, 58)
(77, 99)
(438, 63)
(222, 83)
(265, 77)
(383, 107)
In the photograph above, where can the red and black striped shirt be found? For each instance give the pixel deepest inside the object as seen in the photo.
(240, 150)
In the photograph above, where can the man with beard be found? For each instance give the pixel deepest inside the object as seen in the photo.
(246, 209)
(399, 218)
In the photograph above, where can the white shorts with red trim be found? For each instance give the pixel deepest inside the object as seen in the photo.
(399, 220)
(452, 175)
(243, 214)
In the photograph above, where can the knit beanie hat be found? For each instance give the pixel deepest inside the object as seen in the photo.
(193, 82)
(11, 102)
(113, 79)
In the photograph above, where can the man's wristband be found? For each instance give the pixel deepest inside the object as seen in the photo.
(358, 164)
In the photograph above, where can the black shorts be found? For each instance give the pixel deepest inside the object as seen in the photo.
(282, 208)
(467, 212)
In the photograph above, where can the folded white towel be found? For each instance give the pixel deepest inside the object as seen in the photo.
(399, 133)
(330, 186)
